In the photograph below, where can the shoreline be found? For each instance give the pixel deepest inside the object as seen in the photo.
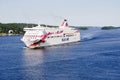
(4, 34)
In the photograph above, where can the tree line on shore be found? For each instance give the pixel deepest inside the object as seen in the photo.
(18, 27)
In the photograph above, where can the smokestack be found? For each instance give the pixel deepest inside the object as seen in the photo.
(64, 23)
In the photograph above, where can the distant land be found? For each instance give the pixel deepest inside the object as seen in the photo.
(17, 28)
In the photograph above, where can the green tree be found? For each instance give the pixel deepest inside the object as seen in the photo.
(0, 30)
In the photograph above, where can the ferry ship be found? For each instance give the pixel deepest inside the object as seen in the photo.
(40, 36)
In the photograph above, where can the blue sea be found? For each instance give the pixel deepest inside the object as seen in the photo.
(95, 57)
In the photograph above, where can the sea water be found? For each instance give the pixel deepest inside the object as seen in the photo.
(95, 57)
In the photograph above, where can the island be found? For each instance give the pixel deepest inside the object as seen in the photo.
(109, 27)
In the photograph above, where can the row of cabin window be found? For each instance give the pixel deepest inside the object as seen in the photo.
(64, 35)
(60, 36)
(68, 35)
(53, 36)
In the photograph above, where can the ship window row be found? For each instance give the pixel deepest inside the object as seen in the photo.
(68, 35)
(64, 35)
(53, 36)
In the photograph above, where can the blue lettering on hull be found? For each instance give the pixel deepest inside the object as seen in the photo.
(65, 39)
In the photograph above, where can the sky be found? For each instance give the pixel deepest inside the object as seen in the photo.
(52, 12)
